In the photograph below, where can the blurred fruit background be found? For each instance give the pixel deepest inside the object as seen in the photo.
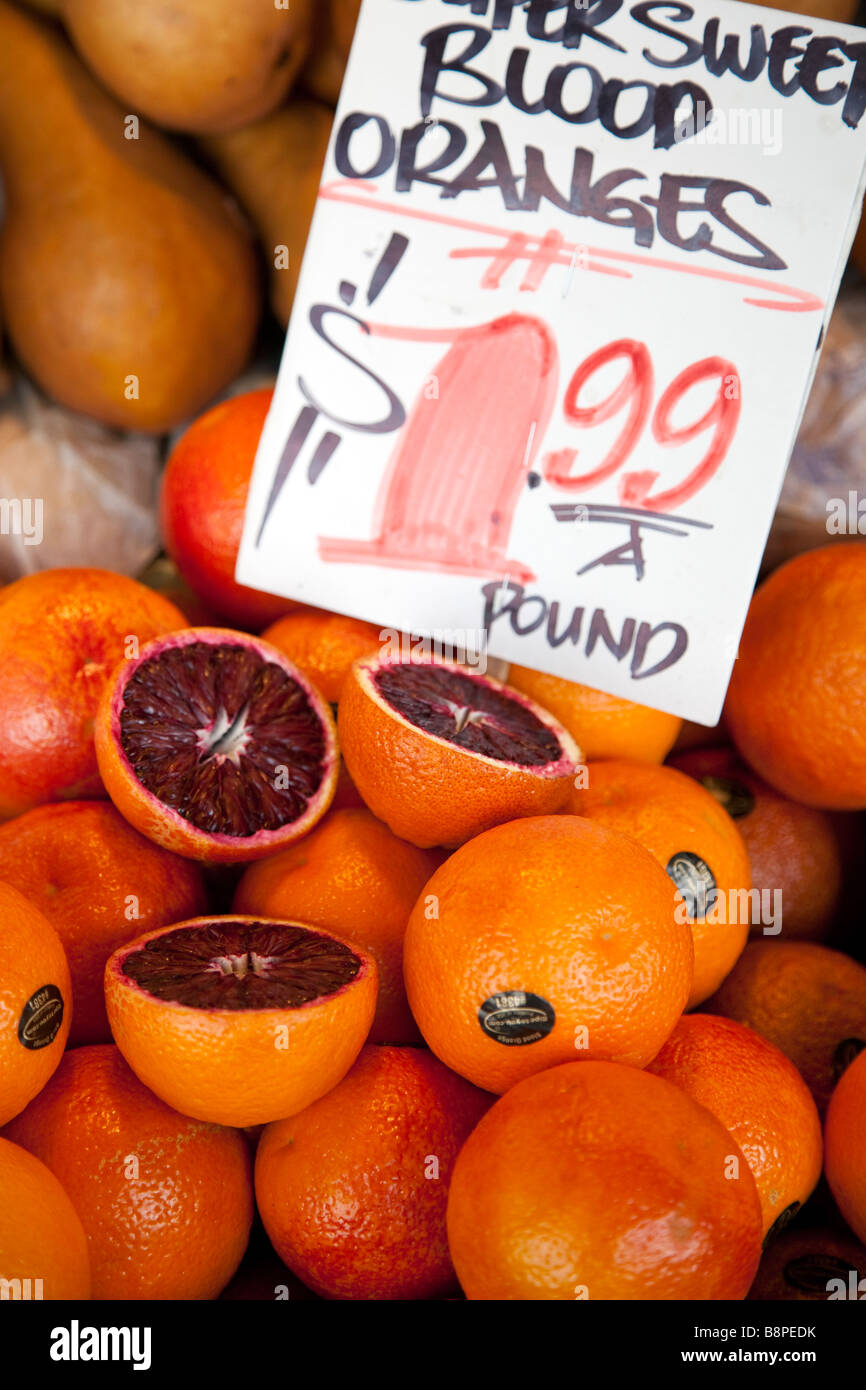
(160, 166)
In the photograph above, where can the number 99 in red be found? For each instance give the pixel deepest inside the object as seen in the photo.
(631, 399)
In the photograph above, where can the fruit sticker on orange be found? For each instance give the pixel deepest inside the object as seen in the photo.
(516, 1018)
(561, 306)
(41, 1018)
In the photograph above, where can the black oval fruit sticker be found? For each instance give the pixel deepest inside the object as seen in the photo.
(41, 1018)
(515, 1018)
(812, 1273)
(736, 798)
(694, 878)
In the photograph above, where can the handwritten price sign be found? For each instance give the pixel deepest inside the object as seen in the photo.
(559, 314)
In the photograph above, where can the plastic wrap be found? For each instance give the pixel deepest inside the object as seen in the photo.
(829, 458)
(72, 492)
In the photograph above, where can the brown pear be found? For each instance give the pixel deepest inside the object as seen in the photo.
(127, 276)
(274, 166)
(336, 20)
(194, 65)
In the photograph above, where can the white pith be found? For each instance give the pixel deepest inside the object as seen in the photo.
(225, 738)
(240, 966)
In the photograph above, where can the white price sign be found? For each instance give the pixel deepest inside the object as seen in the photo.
(560, 310)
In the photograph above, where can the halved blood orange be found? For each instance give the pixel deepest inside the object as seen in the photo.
(440, 752)
(240, 1020)
(213, 744)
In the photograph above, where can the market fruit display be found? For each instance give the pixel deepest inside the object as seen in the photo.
(333, 968)
(358, 1003)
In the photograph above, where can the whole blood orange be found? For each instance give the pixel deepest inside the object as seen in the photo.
(809, 1264)
(441, 753)
(760, 1098)
(603, 726)
(353, 1190)
(598, 1181)
(807, 1000)
(353, 877)
(212, 744)
(202, 505)
(42, 1241)
(237, 1020)
(166, 1203)
(99, 883)
(323, 645)
(35, 1001)
(542, 941)
(845, 1138)
(794, 851)
(796, 705)
(697, 844)
(62, 633)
